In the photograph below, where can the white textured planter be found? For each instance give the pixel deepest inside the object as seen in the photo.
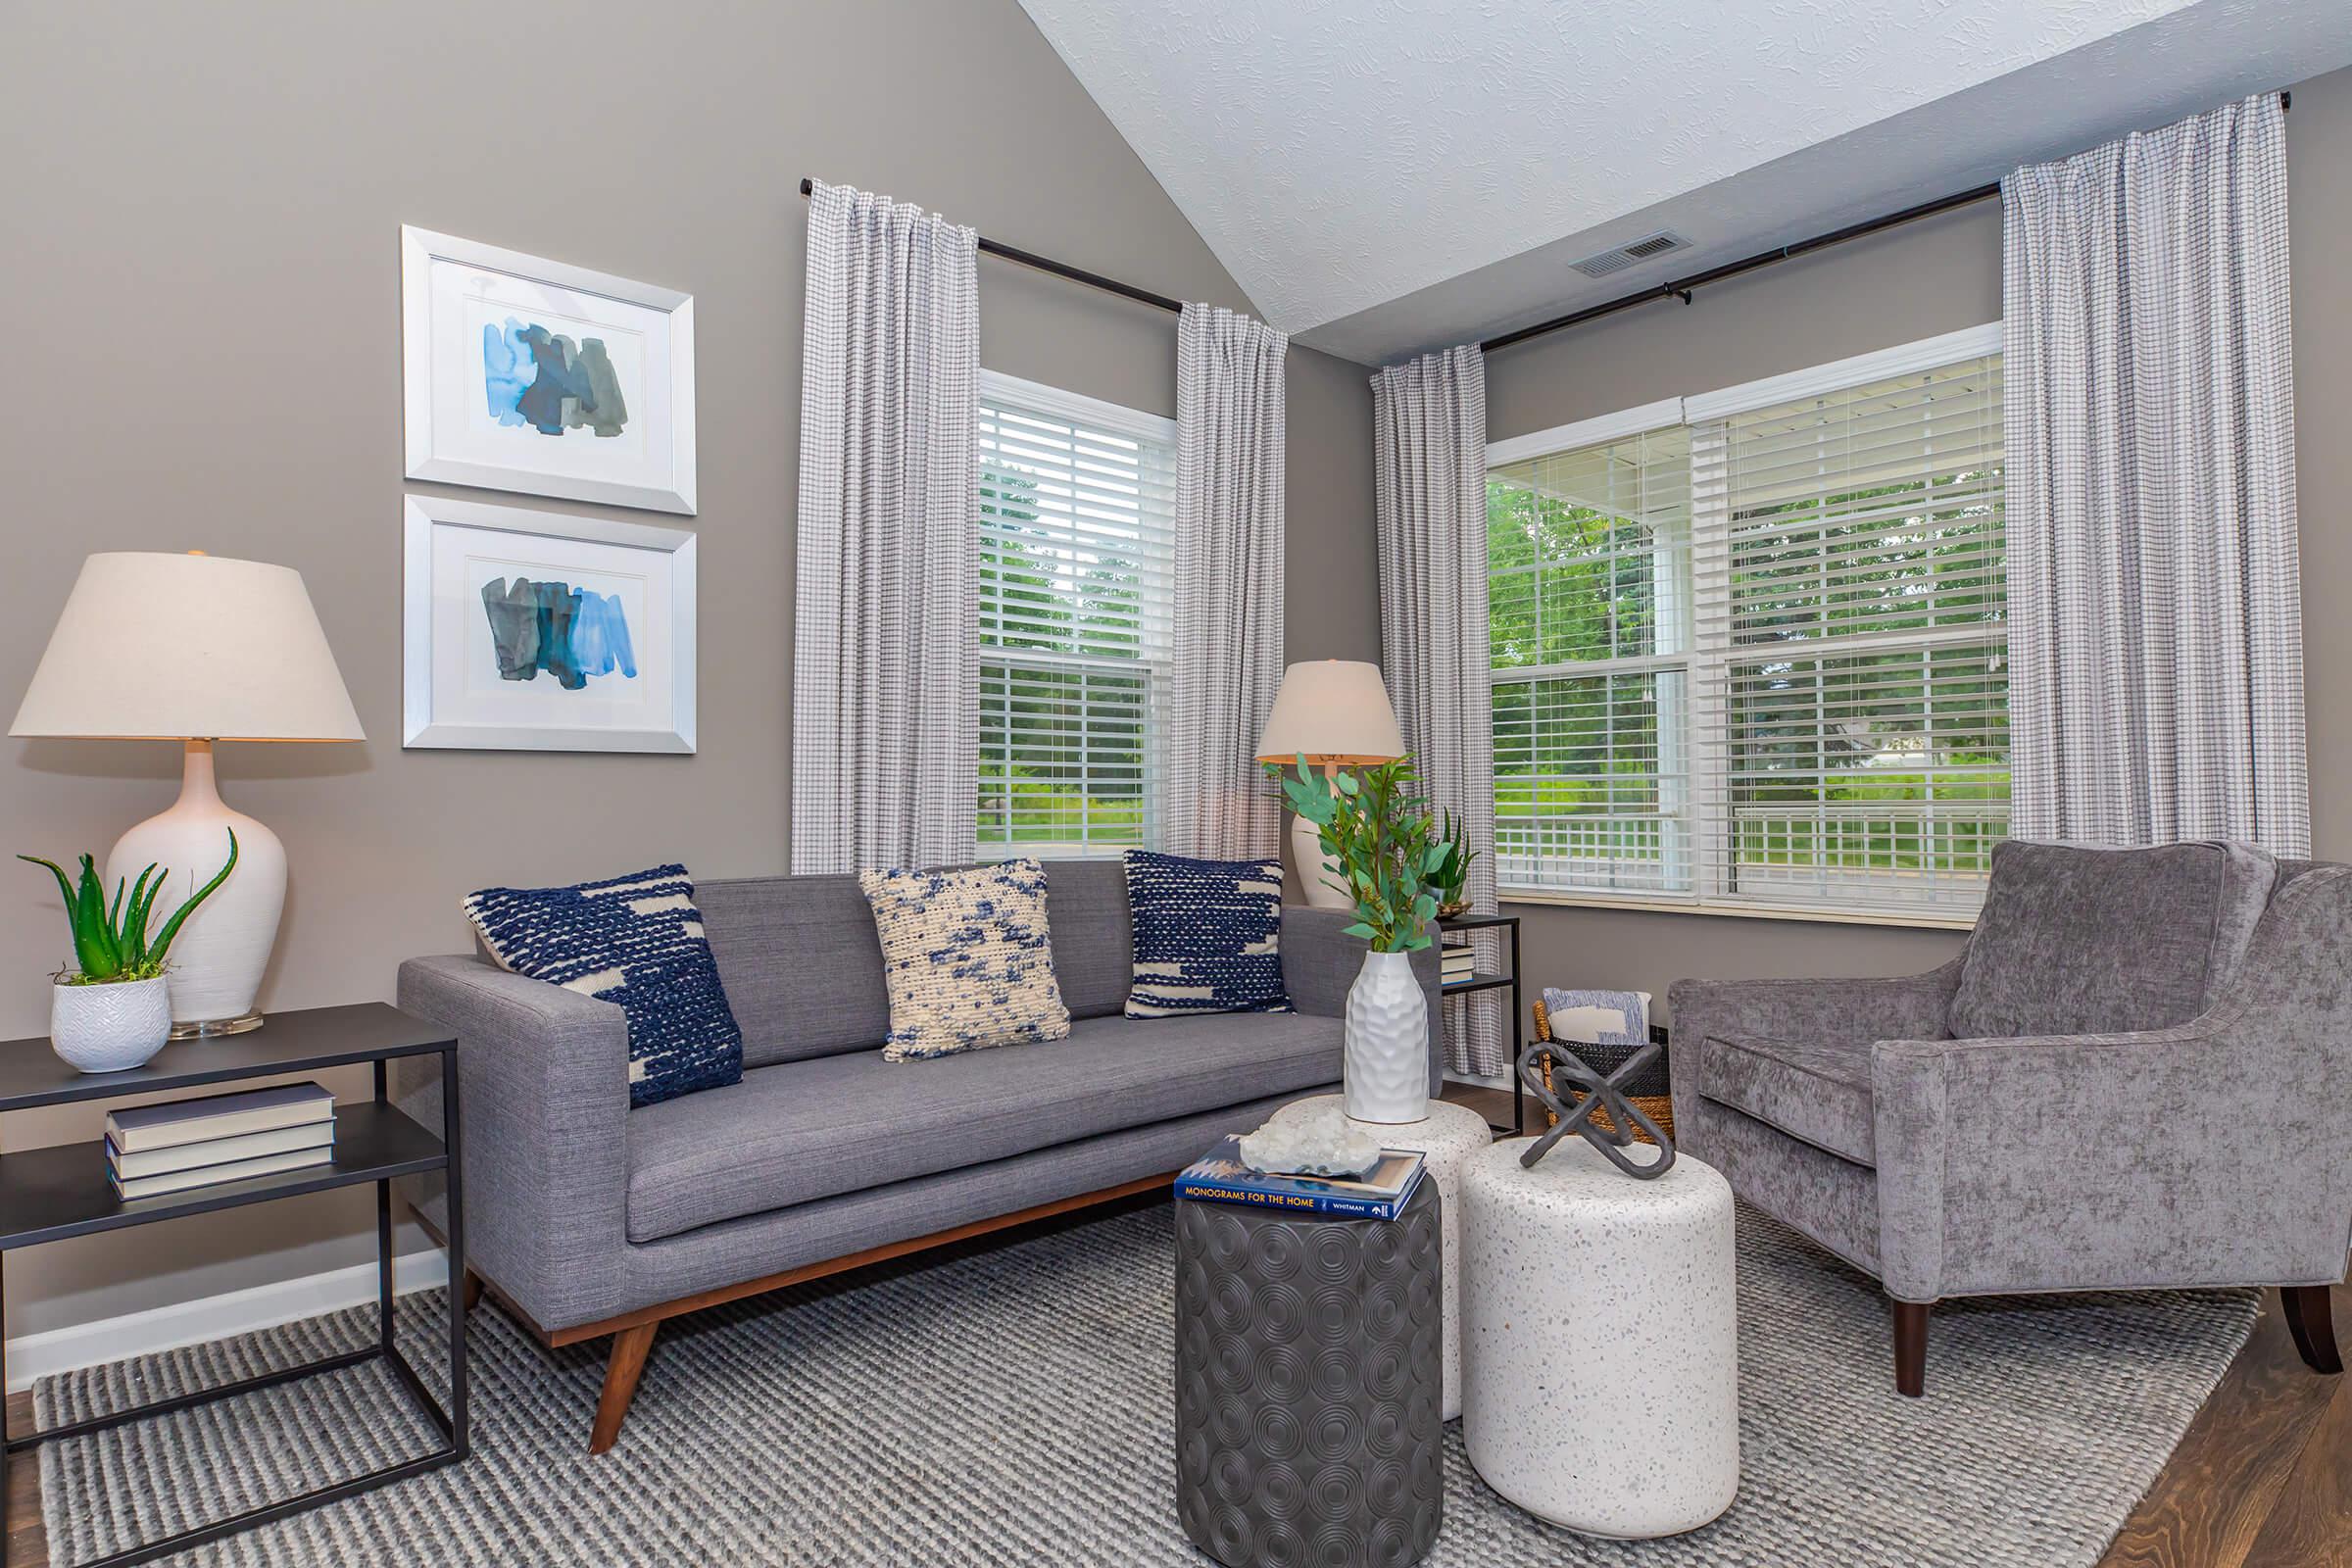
(1388, 1041)
(109, 1028)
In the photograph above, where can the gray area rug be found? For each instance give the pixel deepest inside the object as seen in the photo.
(1012, 1405)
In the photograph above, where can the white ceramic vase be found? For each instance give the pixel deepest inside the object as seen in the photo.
(1388, 1041)
(111, 1027)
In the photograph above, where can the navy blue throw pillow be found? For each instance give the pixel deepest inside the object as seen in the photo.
(632, 940)
(1207, 936)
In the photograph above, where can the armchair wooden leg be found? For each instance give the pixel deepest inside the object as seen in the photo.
(471, 1291)
(629, 1348)
(2309, 1320)
(1910, 1348)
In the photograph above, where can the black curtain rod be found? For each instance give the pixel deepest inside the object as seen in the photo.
(1076, 274)
(1680, 287)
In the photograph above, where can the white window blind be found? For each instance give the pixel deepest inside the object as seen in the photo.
(1759, 660)
(1588, 557)
(1077, 503)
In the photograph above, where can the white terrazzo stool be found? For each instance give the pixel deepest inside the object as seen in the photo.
(1600, 1353)
(1447, 1140)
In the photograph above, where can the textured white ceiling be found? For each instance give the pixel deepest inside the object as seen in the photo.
(1339, 157)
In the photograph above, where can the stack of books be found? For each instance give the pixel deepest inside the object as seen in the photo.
(1222, 1176)
(1456, 961)
(154, 1150)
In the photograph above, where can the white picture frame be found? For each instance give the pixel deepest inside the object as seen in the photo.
(463, 654)
(564, 336)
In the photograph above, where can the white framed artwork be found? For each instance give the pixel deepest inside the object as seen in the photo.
(526, 374)
(527, 630)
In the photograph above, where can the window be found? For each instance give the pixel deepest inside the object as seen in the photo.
(1753, 656)
(1077, 501)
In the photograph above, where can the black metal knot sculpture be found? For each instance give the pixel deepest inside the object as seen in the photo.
(1599, 1093)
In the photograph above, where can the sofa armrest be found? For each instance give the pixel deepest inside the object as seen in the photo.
(2212, 1152)
(543, 1076)
(1319, 962)
(1848, 1011)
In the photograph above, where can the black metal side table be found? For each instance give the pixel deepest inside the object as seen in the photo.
(50, 1195)
(1495, 982)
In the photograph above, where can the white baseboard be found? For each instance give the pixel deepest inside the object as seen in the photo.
(1476, 1082)
(213, 1317)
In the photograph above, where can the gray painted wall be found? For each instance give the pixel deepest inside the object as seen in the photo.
(1909, 283)
(203, 329)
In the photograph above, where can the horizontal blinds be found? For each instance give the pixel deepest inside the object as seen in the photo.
(1587, 559)
(1076, 579)
(1853, 676)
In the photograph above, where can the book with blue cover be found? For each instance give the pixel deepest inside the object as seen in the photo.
(1222, 1176)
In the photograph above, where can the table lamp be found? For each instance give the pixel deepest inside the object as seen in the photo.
(196, 648)
(1335, 713)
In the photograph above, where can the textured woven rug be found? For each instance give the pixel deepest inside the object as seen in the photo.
(1013, 1406)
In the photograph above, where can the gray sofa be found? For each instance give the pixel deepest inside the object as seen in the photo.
(2138, 1075)
(589, 1218)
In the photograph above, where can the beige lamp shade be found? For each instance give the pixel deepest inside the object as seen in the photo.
(168, 646)
(1332, 710)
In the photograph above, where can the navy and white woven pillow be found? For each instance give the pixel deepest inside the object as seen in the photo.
(1207, 936)
(632, 940)
(969, 958)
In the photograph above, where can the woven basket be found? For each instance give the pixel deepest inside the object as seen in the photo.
(1656, 1102)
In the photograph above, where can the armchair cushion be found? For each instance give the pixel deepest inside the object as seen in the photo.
(1817, 1092)
(2080, 941)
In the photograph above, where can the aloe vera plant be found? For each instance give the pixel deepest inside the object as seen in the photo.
(110, 943)
(1451, 871)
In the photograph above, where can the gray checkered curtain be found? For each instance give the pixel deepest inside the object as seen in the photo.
(886, 634)
(1429, 458)
(1230, 448)
(2155, 631)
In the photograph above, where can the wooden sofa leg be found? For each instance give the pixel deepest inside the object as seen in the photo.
(471, 1291)
(629, 1348)
(1910, 1348)
(2309, 1321)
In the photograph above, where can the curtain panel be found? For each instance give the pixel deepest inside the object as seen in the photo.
(2155, 631)
(885, 667)
(1428, 449)
(1230, 447)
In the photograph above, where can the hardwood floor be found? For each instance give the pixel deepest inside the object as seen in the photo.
(2263, 1479)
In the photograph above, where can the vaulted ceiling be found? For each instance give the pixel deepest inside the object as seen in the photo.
(1393, 176)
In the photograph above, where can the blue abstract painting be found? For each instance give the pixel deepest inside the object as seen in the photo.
(543, 381)
(572, 633)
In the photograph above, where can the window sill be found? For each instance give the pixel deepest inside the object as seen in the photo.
(1737, 912)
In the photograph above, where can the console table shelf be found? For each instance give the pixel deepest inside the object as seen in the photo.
(54, 1193)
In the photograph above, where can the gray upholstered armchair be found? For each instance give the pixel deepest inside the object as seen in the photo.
(2138, 1075)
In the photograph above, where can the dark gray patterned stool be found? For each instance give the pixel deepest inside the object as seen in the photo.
(1309, 1378)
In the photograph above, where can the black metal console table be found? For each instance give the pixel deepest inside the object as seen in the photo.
(49, 1194)
(1494, 982)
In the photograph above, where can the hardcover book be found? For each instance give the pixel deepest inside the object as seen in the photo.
(220, 1150)
(1222, 1177)
(180, 1181)
(191, 1121)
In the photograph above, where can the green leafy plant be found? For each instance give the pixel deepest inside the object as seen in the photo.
(1374, 827)
(111, 941)
(1452, 871)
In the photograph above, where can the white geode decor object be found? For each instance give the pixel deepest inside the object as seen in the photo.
(1315, 1142)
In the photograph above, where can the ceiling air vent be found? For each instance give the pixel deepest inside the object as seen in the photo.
(1625, 256)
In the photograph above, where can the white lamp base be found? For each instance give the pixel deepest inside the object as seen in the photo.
(1323, 889)
(217, 958)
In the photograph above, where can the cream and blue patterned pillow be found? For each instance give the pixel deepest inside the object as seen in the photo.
(967, 958)
(633, 940)
(1207, 936)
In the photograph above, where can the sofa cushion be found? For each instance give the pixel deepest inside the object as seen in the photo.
(800, 963)
(1820, 1094)
(806, 1130)
(636, 941)
(1086, 906)
(966, 959)
(1207, 935)
(2082, 940)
